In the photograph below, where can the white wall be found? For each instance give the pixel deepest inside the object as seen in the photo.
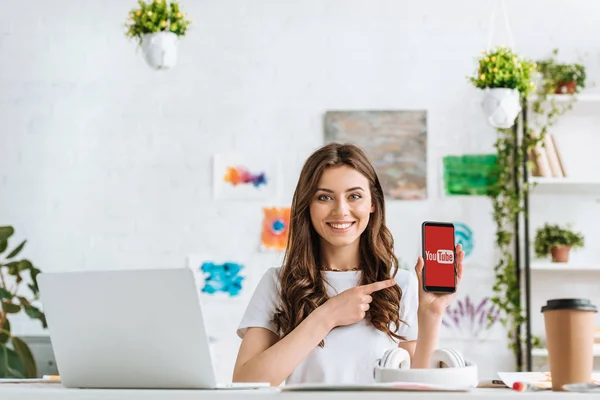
(105, 163)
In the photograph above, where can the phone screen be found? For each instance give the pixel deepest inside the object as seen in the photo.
(438, 254)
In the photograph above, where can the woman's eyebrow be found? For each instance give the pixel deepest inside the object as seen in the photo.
(348, 190)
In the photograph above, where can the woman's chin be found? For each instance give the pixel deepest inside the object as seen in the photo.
(342, 241)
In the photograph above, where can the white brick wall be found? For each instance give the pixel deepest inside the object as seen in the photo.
(105, 163)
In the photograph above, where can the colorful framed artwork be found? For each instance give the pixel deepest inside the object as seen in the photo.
(275, 228)
(470, 174)
(218, 277)
(394, 141)
(464, 236)
(237, 177)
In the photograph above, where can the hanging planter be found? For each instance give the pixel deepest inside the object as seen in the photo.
(157, 26)
(160, 49)
(505, 77)
(501, 106)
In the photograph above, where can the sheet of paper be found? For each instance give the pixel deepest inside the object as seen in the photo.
(540, 379)
(393, 386)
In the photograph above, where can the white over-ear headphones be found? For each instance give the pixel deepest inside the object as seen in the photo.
(447, 368)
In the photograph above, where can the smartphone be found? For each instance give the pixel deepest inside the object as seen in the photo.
(439, 255)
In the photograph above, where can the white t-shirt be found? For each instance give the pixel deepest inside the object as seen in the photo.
(350, 351)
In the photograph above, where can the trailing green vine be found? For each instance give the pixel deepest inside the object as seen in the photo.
(506, 206)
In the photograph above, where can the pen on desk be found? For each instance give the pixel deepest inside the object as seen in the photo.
(526, 387)
(51, 377)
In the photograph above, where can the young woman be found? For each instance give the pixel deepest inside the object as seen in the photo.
(339, 300)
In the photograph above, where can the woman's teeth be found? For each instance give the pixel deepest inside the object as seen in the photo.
(341, 226)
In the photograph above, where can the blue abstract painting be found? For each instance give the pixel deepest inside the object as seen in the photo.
(464, 236)
(223, 278)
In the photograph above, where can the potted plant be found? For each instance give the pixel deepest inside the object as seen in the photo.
(16, 359)
(561, 78)
(556, 241)
(157, 27)
(504, 76)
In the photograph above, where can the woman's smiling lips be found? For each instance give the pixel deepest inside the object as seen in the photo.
(340, 226)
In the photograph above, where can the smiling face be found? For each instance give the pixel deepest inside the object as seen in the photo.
(341, 207)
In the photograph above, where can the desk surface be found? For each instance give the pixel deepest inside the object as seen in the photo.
(57, 392)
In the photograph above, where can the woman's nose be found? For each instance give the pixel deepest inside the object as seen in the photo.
(341, 207)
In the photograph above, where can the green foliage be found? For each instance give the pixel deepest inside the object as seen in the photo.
(503, 68)
(16, 359)
(555, 78)
(156, 16)
(507, 195)
(561, 78)
(506, 205)
(549, 236)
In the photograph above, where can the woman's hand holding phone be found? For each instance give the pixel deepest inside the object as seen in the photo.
(436, 303)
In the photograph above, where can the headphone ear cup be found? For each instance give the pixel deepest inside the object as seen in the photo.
(384, 358)
(396, 358)
(447, 358)
(460, 359)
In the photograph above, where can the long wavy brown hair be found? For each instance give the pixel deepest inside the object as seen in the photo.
(302, 288)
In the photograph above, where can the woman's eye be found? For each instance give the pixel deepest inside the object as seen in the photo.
(323, 197)
(355, 196)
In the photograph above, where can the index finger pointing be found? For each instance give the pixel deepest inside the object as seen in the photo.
(375, 286)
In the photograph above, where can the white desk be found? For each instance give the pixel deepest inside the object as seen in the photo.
(57, 392)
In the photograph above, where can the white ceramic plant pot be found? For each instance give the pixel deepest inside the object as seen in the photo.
(501, 106)
(160, 49)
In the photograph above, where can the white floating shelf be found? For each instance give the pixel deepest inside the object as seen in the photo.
(565, 98)
(544, 352)
(549, 266)
(564, 185)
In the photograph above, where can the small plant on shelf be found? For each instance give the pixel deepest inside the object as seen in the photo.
(561, 78)
(556, 241)
(556, 78)
(16, 359)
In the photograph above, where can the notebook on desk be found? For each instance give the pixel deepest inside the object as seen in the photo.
(129, 329)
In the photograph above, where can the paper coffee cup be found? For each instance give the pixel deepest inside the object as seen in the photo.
(569, 327)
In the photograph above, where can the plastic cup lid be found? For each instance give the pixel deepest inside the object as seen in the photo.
(569, 304)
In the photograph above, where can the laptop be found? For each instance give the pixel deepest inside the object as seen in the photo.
(129, 329)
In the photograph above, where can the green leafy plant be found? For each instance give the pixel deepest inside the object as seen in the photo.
(156, 16)
(506, 206)
(549, 236)
(507, 197)
(508, 194)
(561, 78)
(556, 78)
(16, 359)
(501, 67)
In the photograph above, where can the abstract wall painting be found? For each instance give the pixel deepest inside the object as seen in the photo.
(224, 278)
(463, 235)
(470, 174)
(275, 228)
(237, 177)
(395, 142)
